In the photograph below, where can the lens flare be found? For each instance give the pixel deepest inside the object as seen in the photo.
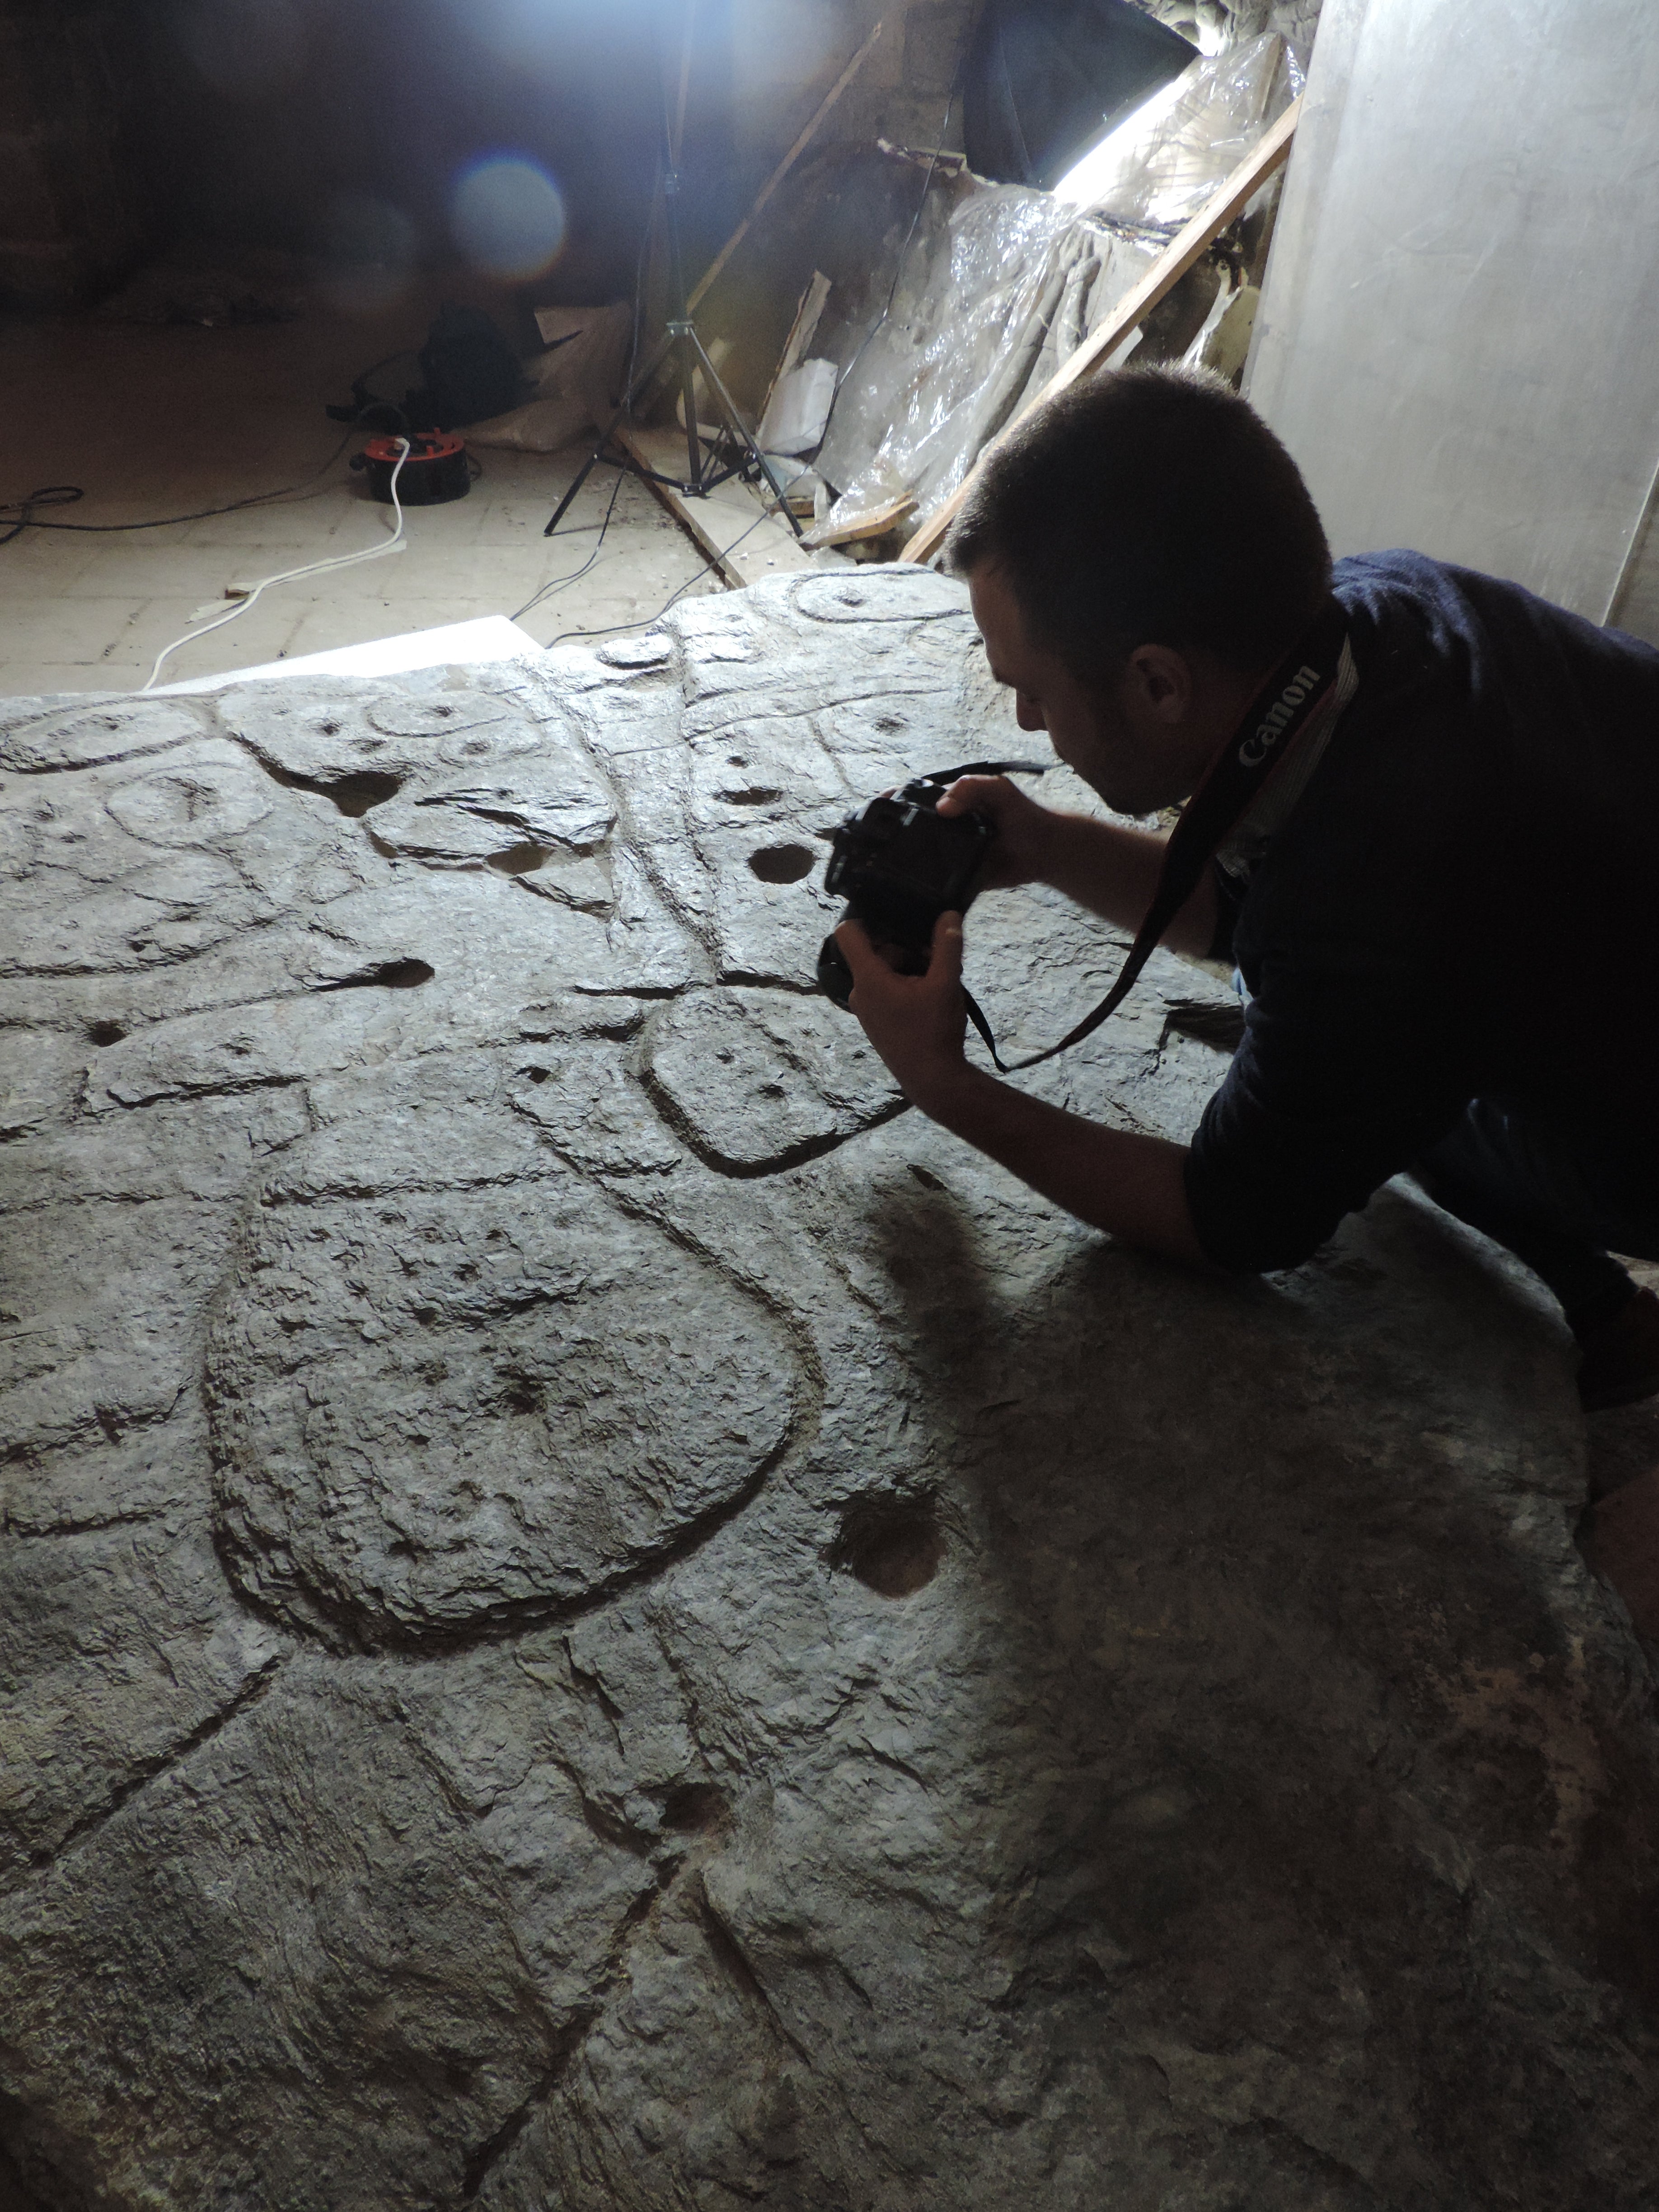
(507, 217)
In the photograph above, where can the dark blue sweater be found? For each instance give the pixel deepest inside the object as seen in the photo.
(1464, 903)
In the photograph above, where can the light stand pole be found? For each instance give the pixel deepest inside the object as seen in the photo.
(704, 470)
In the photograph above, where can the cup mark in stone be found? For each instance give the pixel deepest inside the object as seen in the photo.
(894, 1545)
(782, 864)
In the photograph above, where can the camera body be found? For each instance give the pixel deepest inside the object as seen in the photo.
(900, 864)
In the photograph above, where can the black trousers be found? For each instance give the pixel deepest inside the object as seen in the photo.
(1562, 1207)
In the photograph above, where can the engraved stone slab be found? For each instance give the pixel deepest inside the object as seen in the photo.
(592, 1615)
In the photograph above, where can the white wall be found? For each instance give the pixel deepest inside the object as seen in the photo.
(1457, 335)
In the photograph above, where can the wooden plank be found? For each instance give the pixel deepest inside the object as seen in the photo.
(723, 518)
(802, 331)
(1227, 201)
(781, 173)
(873, 525)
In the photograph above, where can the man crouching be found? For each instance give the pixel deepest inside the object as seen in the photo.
(1440, 900)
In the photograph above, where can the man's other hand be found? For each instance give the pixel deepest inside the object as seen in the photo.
(914, 1022)
(1020, 853)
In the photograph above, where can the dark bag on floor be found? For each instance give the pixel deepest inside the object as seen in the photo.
(471, 373)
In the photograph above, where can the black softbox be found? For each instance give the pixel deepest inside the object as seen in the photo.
(1046, 78)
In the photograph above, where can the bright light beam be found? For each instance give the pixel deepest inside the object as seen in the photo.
(1088, 179)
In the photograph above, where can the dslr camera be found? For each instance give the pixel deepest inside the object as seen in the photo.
(900, 864)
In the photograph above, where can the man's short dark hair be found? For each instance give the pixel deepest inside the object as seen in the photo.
(1149, 506)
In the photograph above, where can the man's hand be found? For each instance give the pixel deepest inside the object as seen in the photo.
(914, 1022)
(1021, 854)
(1105, 866)
(1129, 1184)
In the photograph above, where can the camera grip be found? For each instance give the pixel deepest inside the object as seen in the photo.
(834, 976)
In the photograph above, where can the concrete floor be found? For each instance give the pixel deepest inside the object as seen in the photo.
(156, 421)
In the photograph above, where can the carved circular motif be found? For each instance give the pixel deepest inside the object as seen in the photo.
(91, 740)
(196, 803)
(891, 595)
(442, 1410)
(435, 714)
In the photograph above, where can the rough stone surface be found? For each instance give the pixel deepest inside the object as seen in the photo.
(443, 1407)
(597, 1615)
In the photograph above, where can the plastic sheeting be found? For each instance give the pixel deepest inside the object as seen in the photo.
(1017, 282)
(577, 382)
(798, 409)
(1217, 110)
(987, 308)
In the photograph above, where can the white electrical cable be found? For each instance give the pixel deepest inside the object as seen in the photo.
(395, 543)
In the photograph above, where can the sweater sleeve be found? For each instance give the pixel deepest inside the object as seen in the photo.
(1229, 900)
(1338, 1084)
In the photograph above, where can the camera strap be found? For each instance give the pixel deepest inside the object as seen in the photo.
(945, 777)
(1301, 687)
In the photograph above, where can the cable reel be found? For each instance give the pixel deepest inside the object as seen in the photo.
(435, 471)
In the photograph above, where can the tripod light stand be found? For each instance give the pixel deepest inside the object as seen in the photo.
(732, 450)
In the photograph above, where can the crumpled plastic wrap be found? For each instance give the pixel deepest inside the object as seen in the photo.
(987, 308)
(982, 318)
(577, 383)
(1220, 107)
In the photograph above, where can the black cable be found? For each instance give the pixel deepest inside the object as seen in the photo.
(610, 630)
(559, 582)
(48, 495)
(66, 495)
(360, 383)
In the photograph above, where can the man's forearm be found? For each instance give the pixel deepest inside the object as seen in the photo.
(1131, 1186)
(1113, 871)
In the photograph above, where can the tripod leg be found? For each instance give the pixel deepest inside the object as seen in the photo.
(582, 475)
(681, 336)
(745, 437)
(684, 338)
(599, 452)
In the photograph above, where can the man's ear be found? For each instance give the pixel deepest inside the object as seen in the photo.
(1162, 680)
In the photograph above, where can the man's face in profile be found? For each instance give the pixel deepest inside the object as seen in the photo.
(1122, 736)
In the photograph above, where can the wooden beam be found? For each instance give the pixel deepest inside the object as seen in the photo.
(1227, 201)
(873, 525)
(801, 333)
(780, 172)
(732, 516)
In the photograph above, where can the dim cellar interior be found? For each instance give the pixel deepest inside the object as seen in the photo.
(611, 1600)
